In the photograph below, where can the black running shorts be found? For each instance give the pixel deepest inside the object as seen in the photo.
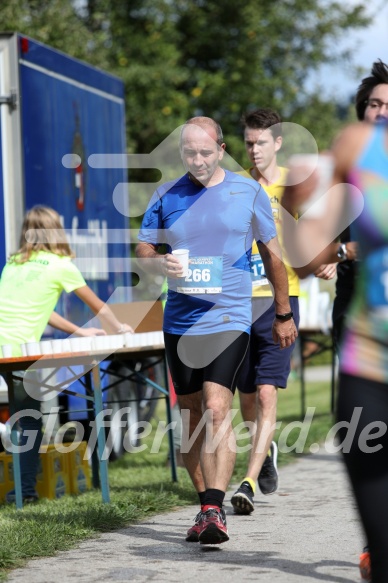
(215, 358)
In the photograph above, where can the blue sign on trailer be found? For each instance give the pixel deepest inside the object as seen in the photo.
(68, 111)
(64, 111)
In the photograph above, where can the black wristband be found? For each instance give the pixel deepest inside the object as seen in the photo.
(284, 317)
(342, 253)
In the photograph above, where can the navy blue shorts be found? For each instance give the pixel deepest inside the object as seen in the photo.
(265, 363)
(216, 358)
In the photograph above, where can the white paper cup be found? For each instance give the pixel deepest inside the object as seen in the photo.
(183, 256)
(108, 342)
(66, 346)
(45, 347)
(75, 344)
(23, 349)
(136, 340)
(33, 348)
(116, 341)
(56, 346)
(145, 339)
(86, 343)
(100, 343)
(129, 339)
(7, 350)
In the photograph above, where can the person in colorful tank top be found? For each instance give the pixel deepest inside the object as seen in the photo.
(361, 162)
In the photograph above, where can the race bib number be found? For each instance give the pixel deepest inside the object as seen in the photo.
(257, 271)
(377, 282)
(204, 276)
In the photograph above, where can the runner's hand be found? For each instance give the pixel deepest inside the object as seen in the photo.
(284, 333)
(172, 267)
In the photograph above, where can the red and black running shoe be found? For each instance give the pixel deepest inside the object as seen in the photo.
(365, 570)
(213, 530)
(193, 532)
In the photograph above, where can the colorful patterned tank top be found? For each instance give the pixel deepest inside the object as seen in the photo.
(365, 348)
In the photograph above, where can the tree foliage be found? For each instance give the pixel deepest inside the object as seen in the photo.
(212, 57)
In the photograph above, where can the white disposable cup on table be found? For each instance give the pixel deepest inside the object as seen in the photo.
(86, 343)
(145, 339)
(57, 346)
(183, 256)
(81, 343)
(109, 343)
(303, 165)
(136, 339)
(7, 350)
(129, 339)
(117, 341)
(75, 344)
(66, 346)
(100, 343)
(33, 348)
(23, 349)
(45, 347)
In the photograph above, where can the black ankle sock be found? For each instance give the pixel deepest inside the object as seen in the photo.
(201, 496)
(213, 497)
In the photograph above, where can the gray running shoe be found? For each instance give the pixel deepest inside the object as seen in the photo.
(268, 479)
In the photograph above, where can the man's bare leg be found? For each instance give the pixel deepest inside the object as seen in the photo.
(211, 458)
(259, 408)
(218, 453)
(192, 404)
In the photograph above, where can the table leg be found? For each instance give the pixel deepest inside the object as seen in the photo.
(14, 442)
(302, 378)
(91, 417)
(101, 441)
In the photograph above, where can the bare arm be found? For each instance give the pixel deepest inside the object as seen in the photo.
(101, 310)
(309, 241)
(68, 327)
(284, 333)
(276, 273)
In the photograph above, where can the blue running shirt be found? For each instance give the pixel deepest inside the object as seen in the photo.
(217, 225)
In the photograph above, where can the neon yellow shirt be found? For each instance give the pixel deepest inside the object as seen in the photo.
(29, 293)
(260, 285)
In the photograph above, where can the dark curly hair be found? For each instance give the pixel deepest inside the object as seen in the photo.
(379, 75)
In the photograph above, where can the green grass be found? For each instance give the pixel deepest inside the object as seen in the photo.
(140, 486)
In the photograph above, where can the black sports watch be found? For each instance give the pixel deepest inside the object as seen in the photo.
(342, 253)
(284, 317)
